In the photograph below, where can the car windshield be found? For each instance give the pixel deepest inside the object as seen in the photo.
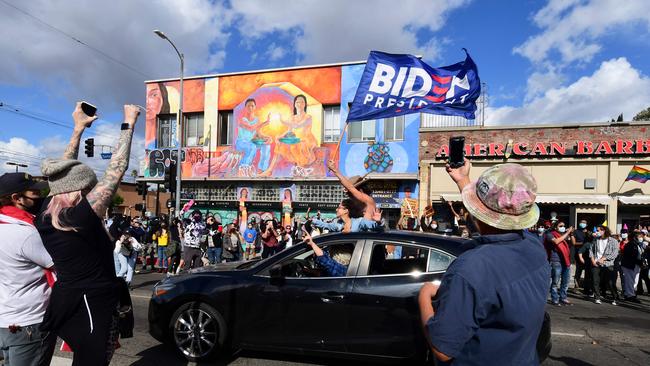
(256, 263)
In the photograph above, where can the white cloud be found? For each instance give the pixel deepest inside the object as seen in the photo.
(573, 28)
(18, 150)
(35, 54)
(341, 30)
(275, 52)
(616, 87)
(539, 82)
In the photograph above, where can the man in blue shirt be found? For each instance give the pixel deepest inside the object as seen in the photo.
(489, 307)
(335, 265)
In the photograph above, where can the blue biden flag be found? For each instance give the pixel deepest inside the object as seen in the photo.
(393, 85)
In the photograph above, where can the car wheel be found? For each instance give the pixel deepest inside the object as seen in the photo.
(197, 331)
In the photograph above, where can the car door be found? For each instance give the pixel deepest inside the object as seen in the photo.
(383, 308)
(312, 310)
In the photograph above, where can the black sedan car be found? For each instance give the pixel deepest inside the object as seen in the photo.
(287, 303)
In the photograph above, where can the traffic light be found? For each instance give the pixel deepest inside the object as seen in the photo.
(90, 147)
(141, 188)
(170, 178)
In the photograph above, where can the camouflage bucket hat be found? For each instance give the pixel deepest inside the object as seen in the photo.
(503, 197)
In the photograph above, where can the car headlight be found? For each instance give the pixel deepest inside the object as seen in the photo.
(162, 288)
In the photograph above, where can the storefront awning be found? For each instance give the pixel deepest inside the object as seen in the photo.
(635, 200)
(591, 199)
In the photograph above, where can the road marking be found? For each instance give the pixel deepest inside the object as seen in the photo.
(567, 334)
(60, 361)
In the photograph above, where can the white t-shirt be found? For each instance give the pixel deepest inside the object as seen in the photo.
(601, 244)
(24, 292)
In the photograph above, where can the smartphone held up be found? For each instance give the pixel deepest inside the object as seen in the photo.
(456, 151)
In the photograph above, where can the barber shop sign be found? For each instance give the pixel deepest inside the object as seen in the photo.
(581, 148)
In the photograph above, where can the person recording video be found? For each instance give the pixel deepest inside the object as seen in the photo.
(270, 239)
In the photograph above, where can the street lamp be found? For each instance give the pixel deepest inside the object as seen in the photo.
(179, 131)
(17, 165)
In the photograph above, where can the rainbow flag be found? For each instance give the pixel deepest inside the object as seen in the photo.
(638, 174)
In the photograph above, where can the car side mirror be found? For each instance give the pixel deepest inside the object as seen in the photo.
(276, 275)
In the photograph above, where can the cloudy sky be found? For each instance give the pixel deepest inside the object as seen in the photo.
(554, 61)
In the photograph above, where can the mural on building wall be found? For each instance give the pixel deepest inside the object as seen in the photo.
(164, 98)
(277, 125)
(383, 154)
(278, 133)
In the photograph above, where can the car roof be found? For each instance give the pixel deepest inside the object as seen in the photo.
(449, 244)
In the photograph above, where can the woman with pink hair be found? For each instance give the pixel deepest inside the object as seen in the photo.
(83, 308)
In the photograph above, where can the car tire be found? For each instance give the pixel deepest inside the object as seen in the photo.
(197, 331)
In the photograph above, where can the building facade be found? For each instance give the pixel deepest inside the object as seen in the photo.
(580, 169)
(262, 140)
(131, 198)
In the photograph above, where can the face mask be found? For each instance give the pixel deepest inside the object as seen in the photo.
(540, 230)
(36, 207)
(644, 231)
(561, 229)
(434, 226)
(597, 234)
(583, 225)
(639, 239)
(624, 236)
(464, 235)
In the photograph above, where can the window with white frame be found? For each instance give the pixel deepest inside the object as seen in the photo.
(225, 130)
(332, 123)
(164, 130)
(361, 131)
(394, 128)
(193, 133)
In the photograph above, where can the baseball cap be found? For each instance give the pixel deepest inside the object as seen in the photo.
(503, 197)
(19, 182)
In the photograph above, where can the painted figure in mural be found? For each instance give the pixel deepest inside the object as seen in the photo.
(243, 213)
(356, 190)
(298, 144)
(249, 141)
(409, 210)
(157, 103)
(286, 207)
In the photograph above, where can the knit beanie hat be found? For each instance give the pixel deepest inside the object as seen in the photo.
(68, 175)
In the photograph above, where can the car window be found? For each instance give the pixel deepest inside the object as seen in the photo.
(438, 261)
(304, 263)
(397, 258)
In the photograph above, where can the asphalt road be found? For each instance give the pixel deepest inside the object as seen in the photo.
(583, 334)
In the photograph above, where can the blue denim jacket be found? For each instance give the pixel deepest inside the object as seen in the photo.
(358, 224)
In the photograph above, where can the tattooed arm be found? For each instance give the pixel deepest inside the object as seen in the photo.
(81, 121)
(100, 197)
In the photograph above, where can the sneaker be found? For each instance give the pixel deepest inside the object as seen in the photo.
(591, 296)
(567, 302)
(614, 303)
(598, 301)
(556, 304)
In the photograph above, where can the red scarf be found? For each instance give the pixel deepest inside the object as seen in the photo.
(562, 248)
(17, 214)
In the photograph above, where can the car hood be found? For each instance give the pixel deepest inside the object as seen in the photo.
(220, 267)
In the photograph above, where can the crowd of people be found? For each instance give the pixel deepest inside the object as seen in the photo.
(56, 228)
(600, 259)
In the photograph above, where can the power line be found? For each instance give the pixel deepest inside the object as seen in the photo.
(76, 39)
(20, 111)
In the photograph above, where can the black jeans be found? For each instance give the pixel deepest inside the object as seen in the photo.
(643, 277)
(270, 251)
(602, 277)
